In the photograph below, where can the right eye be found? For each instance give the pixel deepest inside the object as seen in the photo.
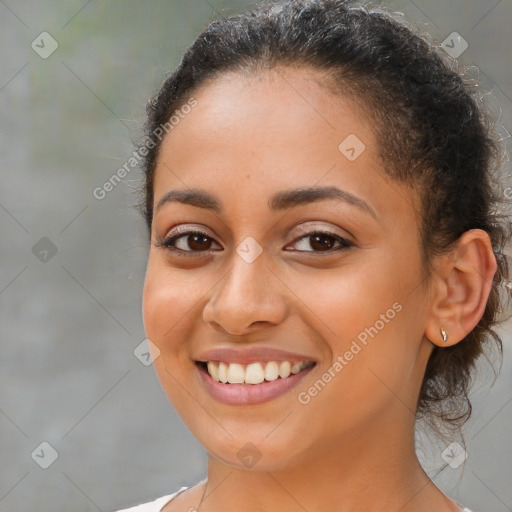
(192, 241)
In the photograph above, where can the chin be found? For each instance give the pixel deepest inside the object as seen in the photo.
(260, 454)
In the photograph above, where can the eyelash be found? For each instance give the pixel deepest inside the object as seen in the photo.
(167, 243)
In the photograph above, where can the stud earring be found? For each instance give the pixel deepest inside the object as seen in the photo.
(444, 334)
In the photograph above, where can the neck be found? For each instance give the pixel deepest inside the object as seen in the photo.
(369, 471)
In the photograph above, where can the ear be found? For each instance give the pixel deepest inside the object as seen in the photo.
(460, 287)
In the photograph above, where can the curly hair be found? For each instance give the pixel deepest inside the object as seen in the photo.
(432, 130)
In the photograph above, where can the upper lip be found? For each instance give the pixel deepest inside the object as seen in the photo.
(251, 355)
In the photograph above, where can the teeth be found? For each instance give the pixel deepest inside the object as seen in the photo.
(285, 369)
(296, 368)
(223, 372)
(254, 373)
(271, 371)
(213, 370)
(236, 374)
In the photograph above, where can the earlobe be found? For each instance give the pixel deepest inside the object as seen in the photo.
(460, 289)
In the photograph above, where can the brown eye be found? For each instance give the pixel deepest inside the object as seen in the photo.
(322, 242)
(319, 241)
(188, 242)
(198, 242)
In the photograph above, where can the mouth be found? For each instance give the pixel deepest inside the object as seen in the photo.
(251, 383)
(253, 373)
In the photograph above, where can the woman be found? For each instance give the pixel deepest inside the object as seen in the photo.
(325, 260)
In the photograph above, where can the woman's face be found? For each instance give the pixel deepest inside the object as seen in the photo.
(256, 290)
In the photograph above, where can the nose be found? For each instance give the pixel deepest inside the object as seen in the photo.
(248, 297)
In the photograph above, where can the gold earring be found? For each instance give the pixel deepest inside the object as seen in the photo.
(444, 334)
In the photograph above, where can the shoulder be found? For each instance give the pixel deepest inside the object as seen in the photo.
(155, 505)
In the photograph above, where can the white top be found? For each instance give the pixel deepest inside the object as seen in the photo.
(153, 506)
(158, 504)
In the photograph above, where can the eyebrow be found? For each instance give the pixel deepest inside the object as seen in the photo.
(278, 202)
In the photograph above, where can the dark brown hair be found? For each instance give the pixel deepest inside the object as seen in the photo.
(432, 131)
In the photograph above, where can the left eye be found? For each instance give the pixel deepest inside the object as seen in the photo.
(322, 242)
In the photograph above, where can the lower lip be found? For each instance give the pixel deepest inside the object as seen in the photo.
(250, 394)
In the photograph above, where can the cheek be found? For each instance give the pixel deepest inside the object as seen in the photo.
(167, 305)
(351, 298)
(166, 299)
(372, 321)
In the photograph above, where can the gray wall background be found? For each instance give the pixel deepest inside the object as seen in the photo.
(70, 317)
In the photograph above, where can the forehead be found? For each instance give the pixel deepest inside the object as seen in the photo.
(289, 102)
(267, 131)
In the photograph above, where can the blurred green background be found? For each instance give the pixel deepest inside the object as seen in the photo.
(70, 309)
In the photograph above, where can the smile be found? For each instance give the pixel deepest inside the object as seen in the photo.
(252, 383)
(254, 373)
